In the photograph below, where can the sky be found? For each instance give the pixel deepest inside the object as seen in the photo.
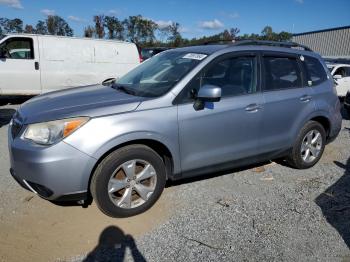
(197, 18)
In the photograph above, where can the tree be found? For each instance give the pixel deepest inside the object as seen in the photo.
(267, 33)
(114, 27)
(41, 28)
(175, 36)
(11, 25)
(58, 26)
(234, 32)
(89, 31)
(29, 29)
(99, 26)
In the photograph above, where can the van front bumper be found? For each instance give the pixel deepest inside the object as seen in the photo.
(58, 172)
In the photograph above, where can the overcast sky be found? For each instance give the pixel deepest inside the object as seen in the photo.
(196, 17)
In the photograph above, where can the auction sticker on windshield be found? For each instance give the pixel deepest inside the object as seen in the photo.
(195, 56)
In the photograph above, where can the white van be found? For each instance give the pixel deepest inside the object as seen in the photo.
(341, 75)
(35, 64)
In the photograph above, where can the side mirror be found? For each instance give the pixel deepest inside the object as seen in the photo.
(207, 93)
(336, 77)
(109, 81)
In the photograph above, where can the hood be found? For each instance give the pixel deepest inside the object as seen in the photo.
(91, 101)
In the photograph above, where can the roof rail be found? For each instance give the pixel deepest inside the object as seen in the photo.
(272, 43)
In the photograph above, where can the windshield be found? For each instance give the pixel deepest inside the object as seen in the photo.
(159, 74)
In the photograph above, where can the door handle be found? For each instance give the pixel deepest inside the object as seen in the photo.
(36, 65)
(252, 108)
(305, 98)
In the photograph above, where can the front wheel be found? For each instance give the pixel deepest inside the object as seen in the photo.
(128, 181)
(308, 147)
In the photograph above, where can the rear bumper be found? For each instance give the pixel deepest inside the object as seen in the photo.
(58, 172)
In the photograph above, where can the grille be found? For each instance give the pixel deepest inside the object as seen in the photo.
(16, 126)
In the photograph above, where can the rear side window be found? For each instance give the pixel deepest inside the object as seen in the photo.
(315, 71)
(281, 73)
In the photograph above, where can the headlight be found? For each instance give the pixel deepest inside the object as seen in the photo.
(48, 133)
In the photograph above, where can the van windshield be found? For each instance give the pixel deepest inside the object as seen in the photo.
(159, 74)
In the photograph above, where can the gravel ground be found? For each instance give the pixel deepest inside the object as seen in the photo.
(269, 213)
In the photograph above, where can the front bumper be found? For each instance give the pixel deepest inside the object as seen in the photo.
(53, 172)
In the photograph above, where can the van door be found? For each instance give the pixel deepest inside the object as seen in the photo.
(19, 66)
(288, 100)
(226, 130)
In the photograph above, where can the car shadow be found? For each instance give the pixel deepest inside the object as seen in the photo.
(6, 115)
(112, 247)
(335, 203)
(214, 174)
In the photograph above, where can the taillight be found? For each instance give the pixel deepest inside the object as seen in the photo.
(140, 58)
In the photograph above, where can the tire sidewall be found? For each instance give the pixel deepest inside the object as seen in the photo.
(99, 185)
(312, 125)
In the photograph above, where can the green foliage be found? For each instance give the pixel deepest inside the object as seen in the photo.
(89, 31)
(99, 26)
(11, 25)
(58, 26)
(136, 29)
(41, 28)
(115, 27)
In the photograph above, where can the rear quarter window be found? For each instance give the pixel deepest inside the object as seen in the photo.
(315, 71)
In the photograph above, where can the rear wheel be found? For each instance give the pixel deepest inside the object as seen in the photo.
(308, 147)
(128, 181)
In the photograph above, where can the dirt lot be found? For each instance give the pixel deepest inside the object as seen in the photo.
(268, 212)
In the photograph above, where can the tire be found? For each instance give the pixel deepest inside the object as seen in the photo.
(298, 156)
(111, 174)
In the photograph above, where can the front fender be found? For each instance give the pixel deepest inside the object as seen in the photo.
(100, 135)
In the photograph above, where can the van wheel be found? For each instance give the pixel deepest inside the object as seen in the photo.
(308, 147)
(128, 181)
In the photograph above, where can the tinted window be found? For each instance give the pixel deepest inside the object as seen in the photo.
(315, 71)
(347, 69)
(340, 71)
(18, 48)
(235, 76)
(281, 73)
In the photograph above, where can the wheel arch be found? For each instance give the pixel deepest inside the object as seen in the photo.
(159, 147)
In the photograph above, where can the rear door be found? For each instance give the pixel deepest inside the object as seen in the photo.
(288, 99)
(226, 130)
(19, 70)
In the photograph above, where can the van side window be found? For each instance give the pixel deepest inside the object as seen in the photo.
(315, 71)
(235, 75)
(281, 73)
(341, 71)
(18, 48)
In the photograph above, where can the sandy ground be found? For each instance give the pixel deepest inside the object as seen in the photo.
(32, 229)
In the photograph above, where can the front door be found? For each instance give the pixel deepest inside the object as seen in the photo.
(19, 66)
(226, 130)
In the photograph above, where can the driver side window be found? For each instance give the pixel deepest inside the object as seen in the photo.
(235, 76)
(18, 48)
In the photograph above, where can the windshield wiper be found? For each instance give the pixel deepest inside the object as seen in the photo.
(123, 89)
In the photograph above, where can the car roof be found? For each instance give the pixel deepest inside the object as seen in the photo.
(337, 65)
(211, 49)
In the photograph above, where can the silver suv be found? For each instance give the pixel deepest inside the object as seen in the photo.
(182, 113)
